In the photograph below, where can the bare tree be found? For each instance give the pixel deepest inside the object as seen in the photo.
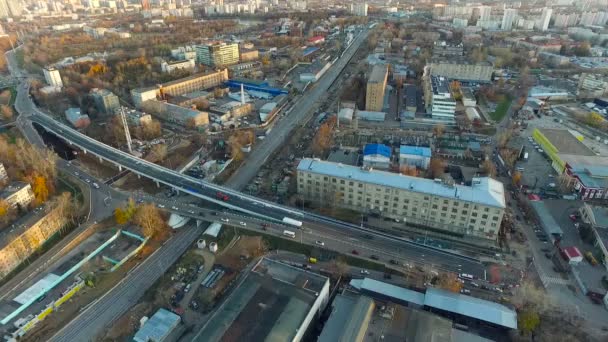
(158, 152)
(489, 168)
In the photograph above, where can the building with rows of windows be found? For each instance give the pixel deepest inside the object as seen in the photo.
(459, 210)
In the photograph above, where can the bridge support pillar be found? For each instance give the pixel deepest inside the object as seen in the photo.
(100, 160)
(84, 151)
(198, 223)
(176, 191)
(138, 176)
(157, 184)
(119, 167)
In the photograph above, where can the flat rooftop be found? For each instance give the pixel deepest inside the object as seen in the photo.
(378, 74)
(565, 142)
(485, 191)
(270, 304)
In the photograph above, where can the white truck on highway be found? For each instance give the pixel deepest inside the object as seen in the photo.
(292, 222)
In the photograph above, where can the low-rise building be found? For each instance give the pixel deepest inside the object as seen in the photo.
(417, 156)
(592, 85)
(411, 98)
(267, 111)
(158, 327)
(597, 218)
(377, 156)
(18, 194)
(444, 49)
(76, 118)
(171, 66)
(314, 71)
(246, 69)
(465, 211)
(234, 109)
(248, 55)
(176, 114)
(181, 86)
(548, 93)
(468, 97)
(291, 297)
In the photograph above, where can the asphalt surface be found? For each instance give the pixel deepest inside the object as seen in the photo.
(285, 125)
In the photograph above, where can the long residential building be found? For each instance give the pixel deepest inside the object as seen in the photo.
(179, 87)
(461, 69)
(218, 54)
(459, 210)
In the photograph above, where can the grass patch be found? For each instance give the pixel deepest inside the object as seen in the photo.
(501, 109)
(363, 263)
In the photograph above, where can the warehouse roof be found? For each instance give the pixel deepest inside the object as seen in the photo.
(470, 306)
(377, 149)
(565, 142)
(485, 191)
(385, 289)
(415, 150)
(158, 327)
(546, 219)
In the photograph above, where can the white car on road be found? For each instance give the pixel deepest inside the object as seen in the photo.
(224, 219)
(320, 243)
(243, 224)
(364, 272)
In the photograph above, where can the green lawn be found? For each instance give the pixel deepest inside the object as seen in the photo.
(501, 109)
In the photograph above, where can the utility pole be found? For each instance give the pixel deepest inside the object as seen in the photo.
(123, 118)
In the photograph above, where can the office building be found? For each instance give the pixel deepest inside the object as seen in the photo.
(218, 54)
(508, 18)
(376, 85)
(274, 302)
(439, 99)
(475, 210)
(17, 194)
(485, 12)
(52, 76)
(248, 55)
(461, 69)
(444, 49)
(592, 85)
(359, 9)
(105, 101)
(414, 156)
(545, 18)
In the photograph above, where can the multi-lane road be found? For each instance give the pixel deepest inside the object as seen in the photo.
(281, 130)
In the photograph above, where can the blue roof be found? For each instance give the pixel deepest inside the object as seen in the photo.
(415, 150)
(309, 50)
(470, 306)
(485, 191)
(158, 327)
(380, 149)
(389, 290)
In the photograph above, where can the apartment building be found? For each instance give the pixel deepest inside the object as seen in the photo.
(18, 194)
(105, 101)
(508, 18)
(179, 87)
(26, 236)
(376, 85)
(359, 9)
(171, 66)
(444, 49)
(3, 174)
(459, 210)
(461, 69)
(218, 54)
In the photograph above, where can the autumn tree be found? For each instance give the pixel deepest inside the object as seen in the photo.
(516, 178)
(528, 320)
(438, 130)
(322, 140)
(40, 189)
(218, 93)
(115, 131)
(489, 168)
(449, 282)
(437, 167)
(158, 153)
(67, 206)
(123, 215)
(5, 97)
(6, 212)
(408, 170)
(6, 111)
(149, 218)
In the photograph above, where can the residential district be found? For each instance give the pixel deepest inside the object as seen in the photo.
(282, 170)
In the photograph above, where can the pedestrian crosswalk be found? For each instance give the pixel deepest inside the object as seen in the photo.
(547, 280)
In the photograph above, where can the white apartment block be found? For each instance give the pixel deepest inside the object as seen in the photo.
(52, 77)
(545, 17)
(171, 66)
(218, 54)
(508, 19)
(359, 9)
(475, 210)
(485, 12)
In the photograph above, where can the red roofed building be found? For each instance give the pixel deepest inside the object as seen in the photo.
(316, 40)
(572, 255)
